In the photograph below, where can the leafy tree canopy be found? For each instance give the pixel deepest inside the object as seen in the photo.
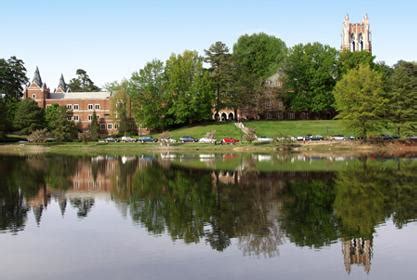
(28, 117)
(82, 83)
(12, 77)
(310, 73)
(359, 99)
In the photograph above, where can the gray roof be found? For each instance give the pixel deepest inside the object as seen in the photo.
(81, 95)
(37, 78)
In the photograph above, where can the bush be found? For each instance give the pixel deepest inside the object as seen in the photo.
(84, 136)
(250, 135)
(39, 136)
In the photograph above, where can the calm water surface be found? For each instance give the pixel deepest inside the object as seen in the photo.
(205, 216)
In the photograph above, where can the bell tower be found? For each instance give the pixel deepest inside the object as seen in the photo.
(356, 36)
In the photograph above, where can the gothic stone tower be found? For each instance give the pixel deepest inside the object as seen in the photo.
(356, 36)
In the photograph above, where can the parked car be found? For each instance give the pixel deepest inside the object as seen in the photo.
(263, 140)
(187, 139)
(110, 140)
(206, 140)
(338, 138)
(127, 139)
(412, 138)
(316, 138)
(301, 138)
(146, 139)
(229, 140)
(167, 141)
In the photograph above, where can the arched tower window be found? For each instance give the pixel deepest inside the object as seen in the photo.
(352, 42)
(360, 42)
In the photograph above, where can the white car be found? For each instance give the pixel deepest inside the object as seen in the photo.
(263, 140)
(338, 138)
(206, 140)
(127, 139)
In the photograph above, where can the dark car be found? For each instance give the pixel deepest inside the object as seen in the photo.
(316, 138)
(187, 139)
(146, 139)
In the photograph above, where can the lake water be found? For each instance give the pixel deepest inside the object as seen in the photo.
(207, 216)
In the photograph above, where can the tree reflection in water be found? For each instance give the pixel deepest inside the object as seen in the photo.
(257, 209)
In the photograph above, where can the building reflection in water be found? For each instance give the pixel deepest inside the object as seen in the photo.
(357, 251)
(260, 209)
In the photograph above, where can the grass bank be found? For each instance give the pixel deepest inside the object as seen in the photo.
(311, 148)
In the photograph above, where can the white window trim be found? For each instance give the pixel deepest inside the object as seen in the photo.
(78, 107)
(97, 106)
(109, 126)
(90, 105)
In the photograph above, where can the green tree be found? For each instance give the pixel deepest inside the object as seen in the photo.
(56, 118)
(147, 91)
(94, 127)
(221, 74)
(352, 60)
(28, 117)
(12, 77)
(402, 106)
(257, 57)
(189, 92)
(311, 72)
(82, 83)
(121, 106)
(359, 99)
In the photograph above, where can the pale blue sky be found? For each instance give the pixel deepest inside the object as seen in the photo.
(111, 39)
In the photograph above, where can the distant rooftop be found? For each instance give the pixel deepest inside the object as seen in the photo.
(81, 95)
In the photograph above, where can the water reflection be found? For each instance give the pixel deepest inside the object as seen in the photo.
(237, 198)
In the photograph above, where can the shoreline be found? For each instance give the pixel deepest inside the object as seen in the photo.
(319, 148)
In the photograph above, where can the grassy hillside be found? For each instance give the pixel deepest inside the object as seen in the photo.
(299, 128)
(267, 128)
(222, 130)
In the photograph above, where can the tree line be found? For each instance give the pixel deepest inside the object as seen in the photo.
(316, 82)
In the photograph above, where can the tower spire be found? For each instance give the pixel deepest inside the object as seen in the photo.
(37, 78)
(62, 85)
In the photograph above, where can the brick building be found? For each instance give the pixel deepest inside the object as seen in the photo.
(80, 105)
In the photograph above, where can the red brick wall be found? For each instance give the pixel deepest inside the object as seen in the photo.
(83, 112)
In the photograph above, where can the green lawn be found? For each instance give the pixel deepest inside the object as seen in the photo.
(299, 128)
(267, 128)
(198, 131)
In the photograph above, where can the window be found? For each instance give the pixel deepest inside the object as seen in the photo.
(116, 125)
(76, 107)
(69, 118)
(90, 117)
(102, 126)
(76, 118)
(109, 126)
(34, 96)
(68, 106)
(90, 106)
(97, 106)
